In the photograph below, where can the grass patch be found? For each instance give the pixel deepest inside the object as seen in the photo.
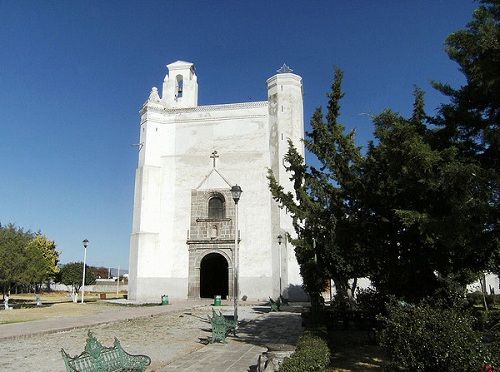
(12, 321)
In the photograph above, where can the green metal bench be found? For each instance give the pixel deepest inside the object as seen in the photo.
(97, 358)
(231, 324)
(275, 305)
(221, 327)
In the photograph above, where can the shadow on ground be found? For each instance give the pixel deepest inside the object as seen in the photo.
(352, 350)
(282, 327)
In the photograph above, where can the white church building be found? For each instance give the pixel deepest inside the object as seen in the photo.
(183, 234)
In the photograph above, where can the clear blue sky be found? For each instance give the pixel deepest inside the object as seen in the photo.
(73, 76)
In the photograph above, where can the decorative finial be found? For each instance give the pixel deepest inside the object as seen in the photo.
(284, 69)
(153, 96)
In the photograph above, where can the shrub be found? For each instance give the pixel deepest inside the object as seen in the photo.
(371, 302)
(423, 338)
(490, 299)
(312, 354)
(476, 298)
(340, 303)
(486, 320)
(488, 323)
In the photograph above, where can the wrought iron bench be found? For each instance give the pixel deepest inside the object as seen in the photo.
(221, 326)
(97, 358)
(275, 305)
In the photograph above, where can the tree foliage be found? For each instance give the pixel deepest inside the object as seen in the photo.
(418, 213)
(42, 259)
(25, 257)
(432, 182)
(323, 204)
(13, 260)
(470, 121)
(424, 209)
(71, 274)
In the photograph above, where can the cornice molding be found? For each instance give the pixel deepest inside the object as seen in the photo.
(213, 219)
(211, 242)
(201, 119)
(228, 106)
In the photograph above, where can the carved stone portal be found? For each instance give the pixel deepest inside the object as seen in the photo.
(211, 245)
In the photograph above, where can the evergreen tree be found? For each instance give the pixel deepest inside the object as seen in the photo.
(431, 184)
(470, 122)
(323, 205)
(422, 209)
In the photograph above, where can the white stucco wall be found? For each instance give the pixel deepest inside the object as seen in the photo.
(175, 158)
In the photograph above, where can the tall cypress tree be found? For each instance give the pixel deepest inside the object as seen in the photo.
(323, 205)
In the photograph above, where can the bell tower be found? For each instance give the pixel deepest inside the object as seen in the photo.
(180, 86)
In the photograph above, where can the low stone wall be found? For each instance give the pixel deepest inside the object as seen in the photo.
(101, 287)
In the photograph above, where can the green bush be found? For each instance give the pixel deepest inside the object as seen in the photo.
(422, 338)
(312, 354)
(488, 323)
(486, 320)
(371, 302)
(490, 300)
(475, 298)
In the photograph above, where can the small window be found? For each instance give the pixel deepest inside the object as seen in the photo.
(216, 207)
(179, 84)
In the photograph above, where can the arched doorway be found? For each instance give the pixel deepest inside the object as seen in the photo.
(213, 276)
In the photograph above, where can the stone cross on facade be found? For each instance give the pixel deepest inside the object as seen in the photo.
(214, 156)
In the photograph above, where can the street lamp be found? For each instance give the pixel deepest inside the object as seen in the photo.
(236, 193)
(85, 245)
(280, 239)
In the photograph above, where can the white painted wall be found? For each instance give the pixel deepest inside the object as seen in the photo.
(177, 140)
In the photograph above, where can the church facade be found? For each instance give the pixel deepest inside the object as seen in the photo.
(184, 222)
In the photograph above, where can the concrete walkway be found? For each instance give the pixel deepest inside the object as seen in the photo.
(241, 353)
(174, 336)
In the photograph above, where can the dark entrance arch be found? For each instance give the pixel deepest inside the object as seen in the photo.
(213, 276)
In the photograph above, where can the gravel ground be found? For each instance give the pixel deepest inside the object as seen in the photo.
(162, 337)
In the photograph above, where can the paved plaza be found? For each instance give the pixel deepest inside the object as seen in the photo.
(174, 336)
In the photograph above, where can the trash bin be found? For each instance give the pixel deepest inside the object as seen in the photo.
(164, 300)
(217, 301)
(102, 296)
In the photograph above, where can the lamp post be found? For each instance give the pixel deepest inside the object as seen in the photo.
(236, 193)
(85, 245)
(280, 239)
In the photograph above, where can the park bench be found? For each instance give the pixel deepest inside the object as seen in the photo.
(231, 324)
(221, 326)
(97, 358)
(275, 305)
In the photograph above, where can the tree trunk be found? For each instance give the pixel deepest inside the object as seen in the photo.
(345, 291)
(482, 282)
(352, 290)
